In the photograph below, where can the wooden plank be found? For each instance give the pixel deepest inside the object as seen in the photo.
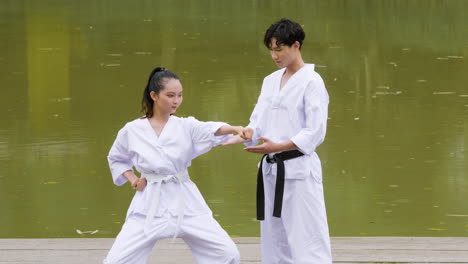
(435, 243)
(346, 250)
(400, 256)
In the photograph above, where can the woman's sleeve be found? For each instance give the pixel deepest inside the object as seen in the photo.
(203, 135)
(120, 158)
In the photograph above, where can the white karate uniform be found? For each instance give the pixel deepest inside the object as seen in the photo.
(297, 112)
(181, 140)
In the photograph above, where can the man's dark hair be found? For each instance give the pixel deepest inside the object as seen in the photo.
(286, 32)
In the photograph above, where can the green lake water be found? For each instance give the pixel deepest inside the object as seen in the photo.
(72, 74)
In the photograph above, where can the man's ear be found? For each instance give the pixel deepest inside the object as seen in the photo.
(297, 44)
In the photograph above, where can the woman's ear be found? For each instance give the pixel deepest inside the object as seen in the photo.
(153, 95)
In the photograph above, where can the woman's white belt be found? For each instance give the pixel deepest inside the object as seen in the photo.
(159, 179)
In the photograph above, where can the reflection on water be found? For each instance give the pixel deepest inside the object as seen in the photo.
(72, 74)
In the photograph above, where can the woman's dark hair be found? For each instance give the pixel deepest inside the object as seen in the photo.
(286, 32)
(156, 82)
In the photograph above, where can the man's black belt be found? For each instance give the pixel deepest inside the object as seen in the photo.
(278, 158)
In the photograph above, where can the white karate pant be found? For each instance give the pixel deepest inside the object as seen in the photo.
(301, 235)
(207, 240)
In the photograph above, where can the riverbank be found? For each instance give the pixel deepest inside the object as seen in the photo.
(346, 250)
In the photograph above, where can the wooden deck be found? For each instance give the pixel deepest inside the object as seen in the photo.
(346, 250)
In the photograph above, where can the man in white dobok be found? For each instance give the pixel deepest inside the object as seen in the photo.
(290, 119)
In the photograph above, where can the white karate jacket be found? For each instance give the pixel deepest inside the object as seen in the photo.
(181, 140)
(297, 112)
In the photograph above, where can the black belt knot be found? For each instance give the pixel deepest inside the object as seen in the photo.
(270, 159)
(278, 158)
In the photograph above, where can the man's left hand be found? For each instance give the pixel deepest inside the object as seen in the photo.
(266, 147)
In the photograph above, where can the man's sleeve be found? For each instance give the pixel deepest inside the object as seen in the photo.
(316, 115)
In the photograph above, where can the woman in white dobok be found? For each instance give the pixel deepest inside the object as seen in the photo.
(167, 203)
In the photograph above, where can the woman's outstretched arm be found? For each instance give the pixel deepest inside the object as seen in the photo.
(227, 129)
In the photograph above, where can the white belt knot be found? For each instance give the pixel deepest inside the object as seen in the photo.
(159, 179)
